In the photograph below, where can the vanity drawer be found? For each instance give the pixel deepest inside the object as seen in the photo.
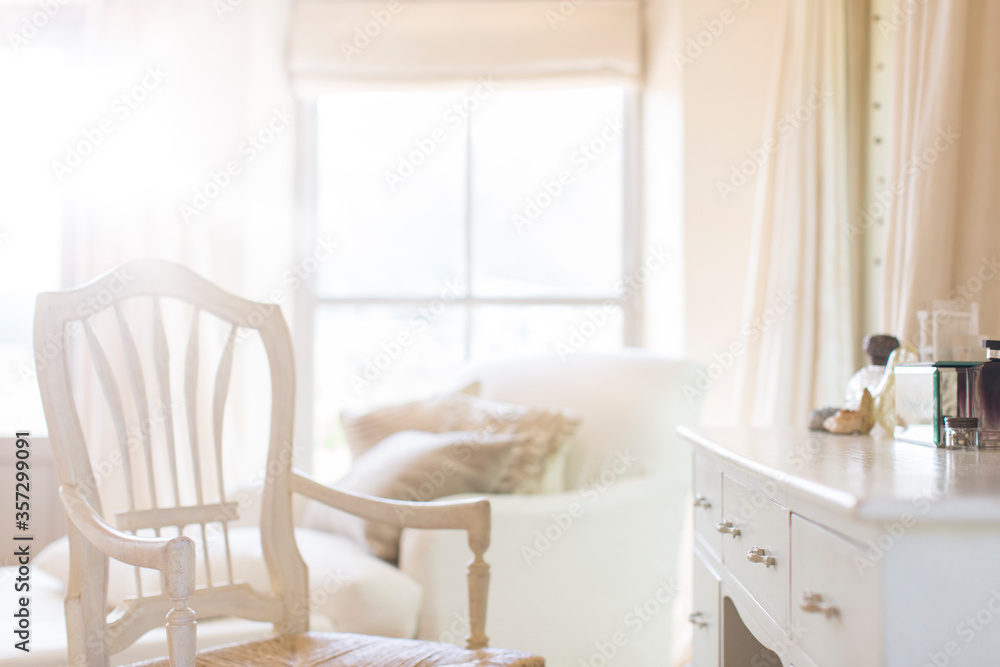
(835, 606)
(707, 510)
(705, 616)
(755, 548)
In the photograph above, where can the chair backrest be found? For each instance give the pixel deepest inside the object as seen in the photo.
(630, 399)
(174, 479)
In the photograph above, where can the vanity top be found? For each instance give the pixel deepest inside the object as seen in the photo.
(871, 477)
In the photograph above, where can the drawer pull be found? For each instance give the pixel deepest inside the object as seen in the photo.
(702, 501)
(759, 555)
(695, 620)
(812, 603)
(727, 527)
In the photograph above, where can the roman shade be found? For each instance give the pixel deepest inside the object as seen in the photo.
(364, 42)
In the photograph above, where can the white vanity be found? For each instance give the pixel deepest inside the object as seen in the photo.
(814, 549)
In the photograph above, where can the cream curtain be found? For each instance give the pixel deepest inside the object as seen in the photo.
(197, 167)
(799, 318)
(942, 228)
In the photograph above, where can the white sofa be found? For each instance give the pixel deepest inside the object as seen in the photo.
(571, 568)
(588, 569)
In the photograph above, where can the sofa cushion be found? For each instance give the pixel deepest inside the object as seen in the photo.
(417, 466)
(543, 431)
(355, 591)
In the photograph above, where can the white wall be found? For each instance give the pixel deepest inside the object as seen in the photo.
(725, 83)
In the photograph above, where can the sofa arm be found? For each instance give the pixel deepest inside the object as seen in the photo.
(569, 572)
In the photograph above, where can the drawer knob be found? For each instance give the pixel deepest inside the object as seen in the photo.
(759, 555)
(702, 501)
(812, 603)
(695, 620)
(727, 527)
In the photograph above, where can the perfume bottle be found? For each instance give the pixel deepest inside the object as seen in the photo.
(988, 395)
(878, 347)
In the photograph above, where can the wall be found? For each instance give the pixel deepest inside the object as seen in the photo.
(720, 52)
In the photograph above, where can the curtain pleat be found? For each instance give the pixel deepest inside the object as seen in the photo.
(799, 314)
(942, 232)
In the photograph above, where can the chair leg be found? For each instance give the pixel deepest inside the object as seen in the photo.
(181, 635)
(479, 583)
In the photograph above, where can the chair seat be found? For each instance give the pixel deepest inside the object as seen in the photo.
(316, 649)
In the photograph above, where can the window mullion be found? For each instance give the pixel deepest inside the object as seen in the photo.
(632, 227)
(468, 235)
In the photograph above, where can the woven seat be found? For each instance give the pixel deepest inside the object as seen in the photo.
(188, 496)
(317, 649)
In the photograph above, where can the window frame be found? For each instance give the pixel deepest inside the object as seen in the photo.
(307, 302)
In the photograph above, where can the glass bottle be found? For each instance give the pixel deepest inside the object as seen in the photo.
(989, 396)
(885, 392)
(961, 432)
(878, 347)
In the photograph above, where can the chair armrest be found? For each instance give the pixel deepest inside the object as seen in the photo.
(175, 556)
(471, 515)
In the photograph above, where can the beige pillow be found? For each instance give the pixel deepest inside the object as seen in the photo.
(364, 430)
(419, 466)
(543, 431)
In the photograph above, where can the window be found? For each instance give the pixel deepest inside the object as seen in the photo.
(470, 225)
(33, 82)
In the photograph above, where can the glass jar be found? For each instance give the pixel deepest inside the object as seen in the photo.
(961, 432)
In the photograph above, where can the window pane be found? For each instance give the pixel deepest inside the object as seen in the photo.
(367, 356)
(30, 222)
(547, 193)
(391, 184)
(507, 330)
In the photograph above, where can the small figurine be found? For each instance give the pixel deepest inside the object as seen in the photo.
(859, 421)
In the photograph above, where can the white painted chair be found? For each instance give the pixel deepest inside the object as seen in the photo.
(93, 634)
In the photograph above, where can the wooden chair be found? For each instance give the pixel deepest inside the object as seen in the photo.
(94, 635)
